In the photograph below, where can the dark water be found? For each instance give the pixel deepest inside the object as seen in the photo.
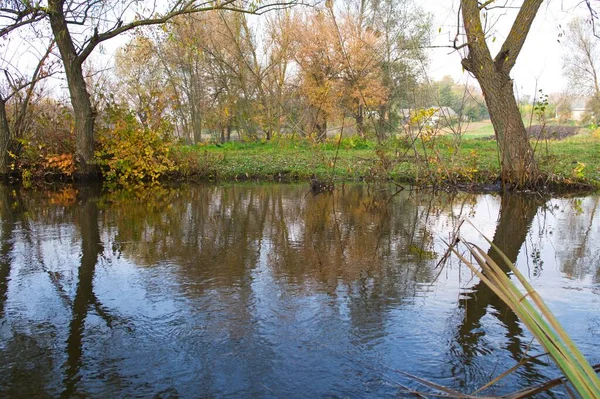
(268, 291)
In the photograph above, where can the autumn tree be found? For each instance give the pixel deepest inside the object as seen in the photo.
(277, 71)
(182, 62)
(233, 88)
(142, 85)
(518, 165)
(403, 30)
(78, 27)
(320, 66)
(360, 76)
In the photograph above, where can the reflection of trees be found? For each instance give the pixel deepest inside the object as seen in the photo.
(91, 247)
(10, 210)
(580, 232)
(363, 244)
(516, 215)
(349, 236)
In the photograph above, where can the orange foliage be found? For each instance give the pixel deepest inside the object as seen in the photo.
(340, 65)
(62, 163)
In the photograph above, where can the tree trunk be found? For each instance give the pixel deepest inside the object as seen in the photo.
(321, 125)
(4, 139)
(518, 165)
(196, 123)
(83, 111)
(517, 162)
(382, 125)
(360, 121)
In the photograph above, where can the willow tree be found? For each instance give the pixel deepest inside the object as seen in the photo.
(518, 166)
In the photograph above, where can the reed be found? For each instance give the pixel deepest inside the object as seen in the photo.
(527, 304)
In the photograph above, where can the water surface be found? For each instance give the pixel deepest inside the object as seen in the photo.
(270, 291)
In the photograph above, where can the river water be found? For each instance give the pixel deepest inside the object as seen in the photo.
(271, 291)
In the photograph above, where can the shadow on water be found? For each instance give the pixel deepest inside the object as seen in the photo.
(516, 215)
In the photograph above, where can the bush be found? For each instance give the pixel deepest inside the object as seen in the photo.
(129, 154)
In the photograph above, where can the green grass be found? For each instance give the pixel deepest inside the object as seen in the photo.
(478, 131)
(573, 160)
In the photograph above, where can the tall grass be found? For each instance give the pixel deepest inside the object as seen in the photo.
(533, 312)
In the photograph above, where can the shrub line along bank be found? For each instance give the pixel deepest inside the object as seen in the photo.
(571, 164)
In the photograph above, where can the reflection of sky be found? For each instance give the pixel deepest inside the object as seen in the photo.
(186, 327)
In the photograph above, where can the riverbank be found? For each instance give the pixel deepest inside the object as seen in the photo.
(573, 162)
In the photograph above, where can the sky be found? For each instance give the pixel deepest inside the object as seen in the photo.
(539, 65)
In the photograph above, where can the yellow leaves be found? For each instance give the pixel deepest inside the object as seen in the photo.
(130, 155)
(64, 197)
(339, 64)
(62, 163)
(578, 170)
(421, 116)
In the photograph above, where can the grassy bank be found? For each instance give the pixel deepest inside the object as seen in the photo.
(572, 161)
(128, 155)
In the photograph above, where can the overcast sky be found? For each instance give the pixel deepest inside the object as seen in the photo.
(538, 65)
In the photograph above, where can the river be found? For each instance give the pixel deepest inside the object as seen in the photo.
(270, 291)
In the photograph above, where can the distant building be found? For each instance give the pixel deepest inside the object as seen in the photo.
(571, 108)
(440, 115)
(443, 114)
(578, 108)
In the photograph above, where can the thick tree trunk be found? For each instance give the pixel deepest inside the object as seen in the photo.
(85, 117)
(518, 165)
(84, 113)
(517, 162)
(4, 139)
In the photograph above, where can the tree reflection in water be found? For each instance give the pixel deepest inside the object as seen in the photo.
(516, 215)
(244, 290)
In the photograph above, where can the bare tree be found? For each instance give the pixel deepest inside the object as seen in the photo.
(582, 62)
(16, 84)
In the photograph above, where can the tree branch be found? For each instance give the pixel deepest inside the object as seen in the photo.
(513, 44)
(187, 8)
(34, 15)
